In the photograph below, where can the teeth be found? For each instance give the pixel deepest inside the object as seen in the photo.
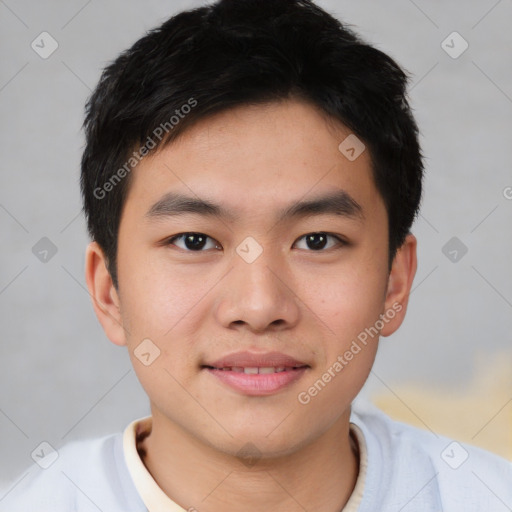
(254, 370)
(268, 369)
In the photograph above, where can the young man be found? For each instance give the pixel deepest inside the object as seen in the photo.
(251, 174)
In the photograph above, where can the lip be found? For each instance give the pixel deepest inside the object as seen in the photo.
(258, 384)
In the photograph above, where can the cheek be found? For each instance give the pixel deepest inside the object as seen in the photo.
(163, 305)
(158, 299)
(349, 303)
(347, 307)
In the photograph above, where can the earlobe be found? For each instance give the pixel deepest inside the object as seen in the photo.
(105, 299)
(399, 285)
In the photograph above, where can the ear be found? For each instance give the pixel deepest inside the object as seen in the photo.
(105, 299)
(399, 285)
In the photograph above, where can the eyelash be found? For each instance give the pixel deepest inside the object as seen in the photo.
(341, 241)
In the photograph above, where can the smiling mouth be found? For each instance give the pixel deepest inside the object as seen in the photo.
(256, 369)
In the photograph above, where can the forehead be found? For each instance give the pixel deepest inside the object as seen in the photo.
(256, 160)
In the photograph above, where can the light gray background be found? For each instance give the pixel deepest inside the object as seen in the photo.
(61, 377)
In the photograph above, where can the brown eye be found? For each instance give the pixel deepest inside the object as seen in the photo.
(194, 242)
(319, 241)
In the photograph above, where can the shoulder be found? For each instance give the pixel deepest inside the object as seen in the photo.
(82, 476)
(410, 465)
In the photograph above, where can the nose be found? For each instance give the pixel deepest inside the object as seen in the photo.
(257, 295)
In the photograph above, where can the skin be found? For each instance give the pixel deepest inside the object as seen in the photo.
(199, 306)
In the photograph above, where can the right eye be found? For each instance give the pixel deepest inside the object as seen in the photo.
(193, 242)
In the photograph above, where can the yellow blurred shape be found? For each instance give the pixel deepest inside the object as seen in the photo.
(480, 416)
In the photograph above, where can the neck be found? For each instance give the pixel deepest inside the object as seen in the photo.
(319, 476)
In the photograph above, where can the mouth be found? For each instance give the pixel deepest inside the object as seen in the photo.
(256, 373)
(254, 370)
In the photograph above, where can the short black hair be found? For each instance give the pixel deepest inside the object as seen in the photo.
(242, 52)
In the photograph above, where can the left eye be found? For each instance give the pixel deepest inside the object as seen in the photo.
(318, 241)
(195, 242)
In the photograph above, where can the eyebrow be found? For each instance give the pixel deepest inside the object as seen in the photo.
(339, 203)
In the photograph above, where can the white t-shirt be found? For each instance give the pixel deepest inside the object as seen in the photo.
(402, 468)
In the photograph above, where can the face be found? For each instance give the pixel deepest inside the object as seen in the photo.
(290, 256)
